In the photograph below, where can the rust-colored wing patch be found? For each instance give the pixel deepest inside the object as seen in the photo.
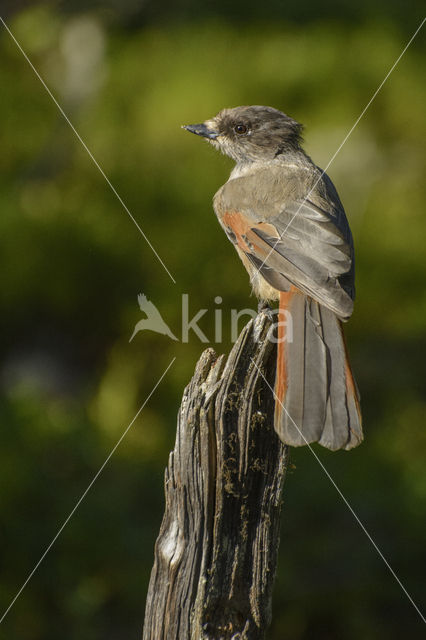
(241, 232)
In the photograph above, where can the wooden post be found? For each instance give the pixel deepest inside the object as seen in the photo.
(216, 553)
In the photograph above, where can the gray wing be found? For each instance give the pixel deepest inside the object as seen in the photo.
(305, 240)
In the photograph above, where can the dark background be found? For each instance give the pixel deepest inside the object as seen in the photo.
(128, 74)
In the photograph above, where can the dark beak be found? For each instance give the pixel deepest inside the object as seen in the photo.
(201, 130)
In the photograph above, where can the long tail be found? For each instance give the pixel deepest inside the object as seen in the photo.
(317, 399)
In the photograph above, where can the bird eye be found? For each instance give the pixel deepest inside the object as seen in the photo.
(240, 128)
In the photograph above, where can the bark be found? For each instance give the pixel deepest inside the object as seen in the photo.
(216, 553)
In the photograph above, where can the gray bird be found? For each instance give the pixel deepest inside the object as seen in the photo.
(287, 223)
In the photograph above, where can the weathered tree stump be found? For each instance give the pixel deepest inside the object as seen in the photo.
(216, 553)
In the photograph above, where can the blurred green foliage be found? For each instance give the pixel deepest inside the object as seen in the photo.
(74, 262)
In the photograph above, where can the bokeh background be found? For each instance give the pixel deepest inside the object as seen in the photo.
(128, 74)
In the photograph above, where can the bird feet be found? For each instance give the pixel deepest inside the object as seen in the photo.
(263, 307)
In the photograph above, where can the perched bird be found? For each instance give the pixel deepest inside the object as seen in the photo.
(286, 221)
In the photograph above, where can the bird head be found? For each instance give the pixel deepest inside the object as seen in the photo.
(249, 134)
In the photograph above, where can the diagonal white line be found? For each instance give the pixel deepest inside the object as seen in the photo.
(323, 171)
(344, 499)
(96, 163)
(80, 500)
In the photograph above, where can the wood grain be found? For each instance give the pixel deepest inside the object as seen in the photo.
(216, 553)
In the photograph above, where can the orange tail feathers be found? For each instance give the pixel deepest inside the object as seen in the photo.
(281, 371)
(316, 397)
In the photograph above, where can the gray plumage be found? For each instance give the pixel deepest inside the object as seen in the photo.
(317, 405)
(289, 227)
